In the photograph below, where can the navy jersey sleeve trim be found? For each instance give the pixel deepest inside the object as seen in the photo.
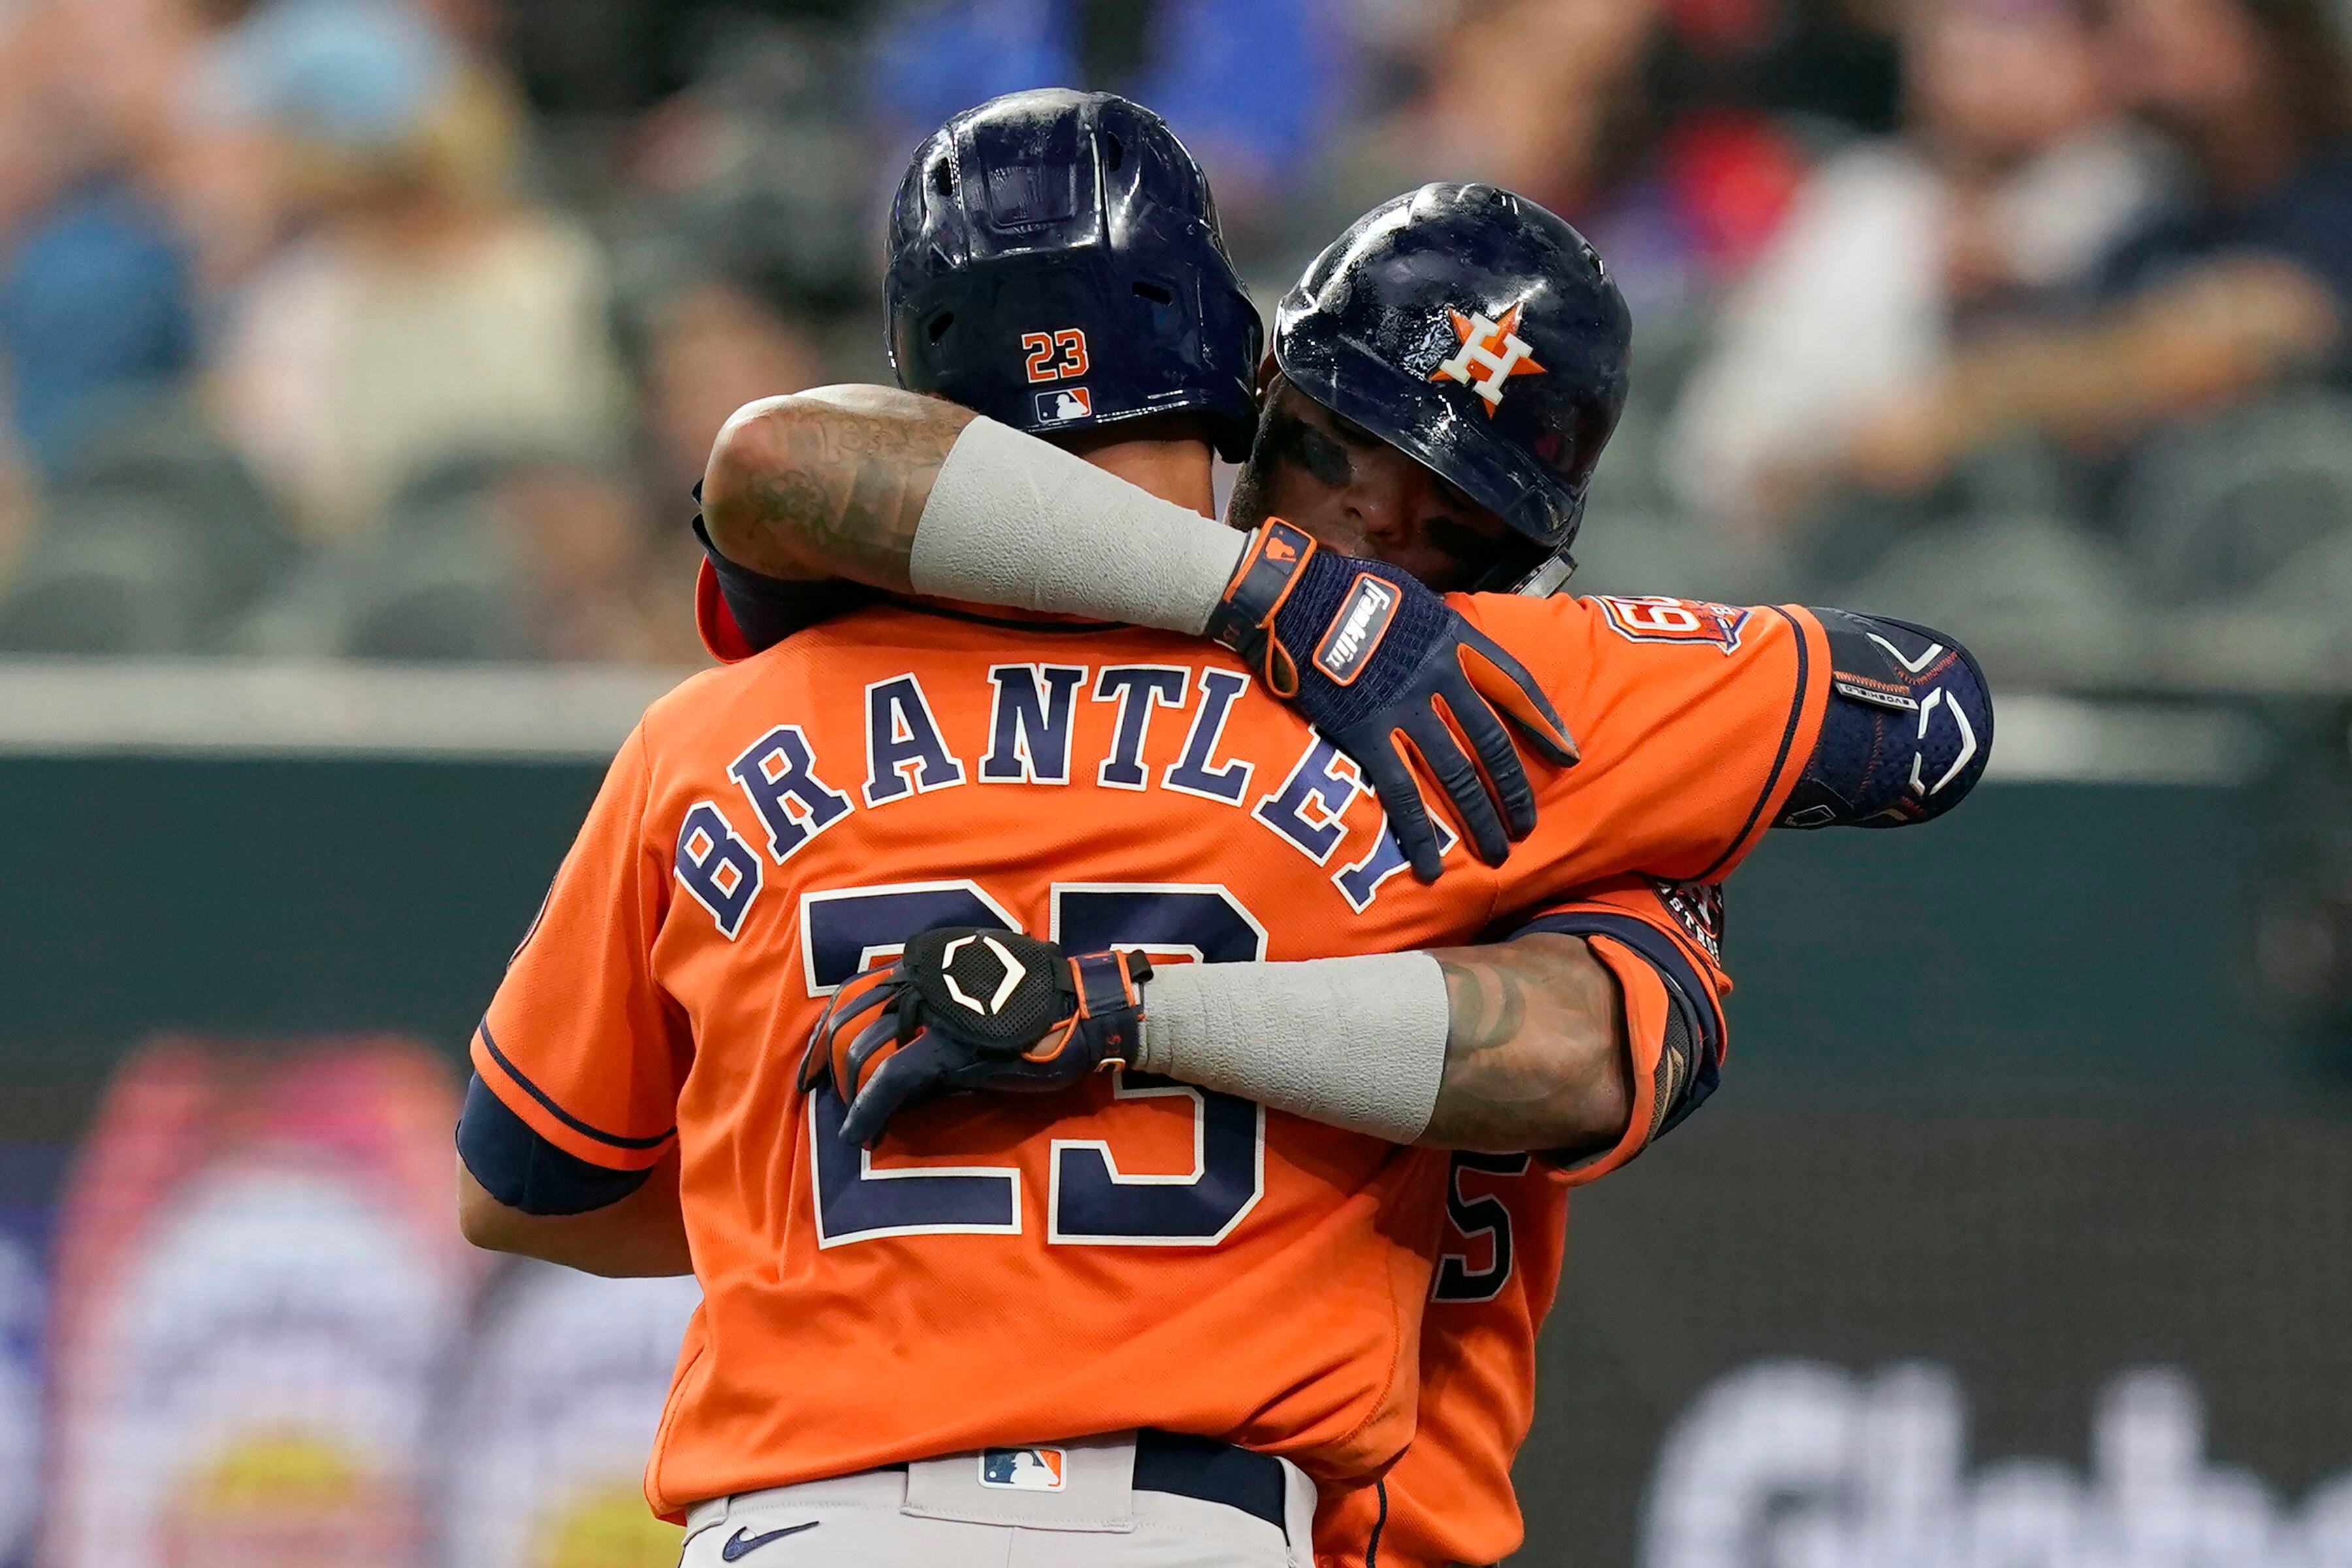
(1682, 977)
(1688, 994)
(574, 1123)
(524, 1171)
(1788, 744)
(768, 609)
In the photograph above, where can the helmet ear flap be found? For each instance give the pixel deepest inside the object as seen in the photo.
(1551, 575)
(1522, 566)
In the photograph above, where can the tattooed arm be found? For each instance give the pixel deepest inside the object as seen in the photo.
(1535, 1043)
(908, 494)
(1583, 1037)
(1537, 1055)
(828, 483)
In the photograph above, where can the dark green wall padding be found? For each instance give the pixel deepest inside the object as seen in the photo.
(2050, 940)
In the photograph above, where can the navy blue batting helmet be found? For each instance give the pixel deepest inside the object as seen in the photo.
(1478, 332)
(1056, 264)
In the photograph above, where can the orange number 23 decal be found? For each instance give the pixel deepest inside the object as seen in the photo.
(1055, 356)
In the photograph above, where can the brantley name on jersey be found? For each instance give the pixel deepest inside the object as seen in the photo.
(793, 795)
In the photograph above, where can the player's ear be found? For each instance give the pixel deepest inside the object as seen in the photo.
(1266, 370)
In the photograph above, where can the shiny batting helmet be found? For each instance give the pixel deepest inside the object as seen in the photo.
(1481, 334)
(1056, 264)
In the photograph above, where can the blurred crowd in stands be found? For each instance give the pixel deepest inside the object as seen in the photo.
(399, 329)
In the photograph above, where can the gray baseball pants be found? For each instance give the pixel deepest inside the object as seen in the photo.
(1074, 1505)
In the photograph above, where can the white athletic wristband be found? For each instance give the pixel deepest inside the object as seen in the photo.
(1016, 521)
(1359, 1042)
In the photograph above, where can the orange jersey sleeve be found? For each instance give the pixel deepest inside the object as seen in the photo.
(1449, 1498)
(579, 1042)
(1694, 722)
(1672, 986)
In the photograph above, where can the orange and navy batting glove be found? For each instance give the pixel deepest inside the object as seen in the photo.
(1393, 675)
(972, 1007)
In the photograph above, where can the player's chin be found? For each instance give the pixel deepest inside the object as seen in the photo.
(1438, 570)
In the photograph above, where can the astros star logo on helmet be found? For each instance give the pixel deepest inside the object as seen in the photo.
(1491, 353)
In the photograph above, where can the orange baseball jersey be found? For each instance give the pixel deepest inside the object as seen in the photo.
(1449, 1498)
(1013, 1270)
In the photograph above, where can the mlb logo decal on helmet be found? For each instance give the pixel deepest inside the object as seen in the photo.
(1023, 1470)
(1067, 406)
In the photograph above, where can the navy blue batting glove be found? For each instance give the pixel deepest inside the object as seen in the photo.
(971, 1007)
(1389, 673)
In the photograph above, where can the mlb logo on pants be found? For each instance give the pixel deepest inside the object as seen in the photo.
(1022, 1470)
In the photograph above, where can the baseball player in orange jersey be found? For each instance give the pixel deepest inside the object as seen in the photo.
(1646, 998)
(1449, 1498)
(1029, 1271)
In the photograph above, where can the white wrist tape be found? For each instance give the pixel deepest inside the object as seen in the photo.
(1359, 1042)
(1016, 521)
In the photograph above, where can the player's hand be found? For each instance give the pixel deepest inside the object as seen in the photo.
(1389, 672)
(971, 1007)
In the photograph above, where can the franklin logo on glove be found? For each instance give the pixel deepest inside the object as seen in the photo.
(1399, 679)
(1357, 630)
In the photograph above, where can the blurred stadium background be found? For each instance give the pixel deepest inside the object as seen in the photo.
(356, 357)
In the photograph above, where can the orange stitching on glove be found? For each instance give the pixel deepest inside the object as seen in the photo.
(1494, 683)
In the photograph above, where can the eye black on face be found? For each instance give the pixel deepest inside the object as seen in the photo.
(1290, 440)
(1346, 429)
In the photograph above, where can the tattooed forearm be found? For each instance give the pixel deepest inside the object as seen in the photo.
(829, 483)
(1537, 1055)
